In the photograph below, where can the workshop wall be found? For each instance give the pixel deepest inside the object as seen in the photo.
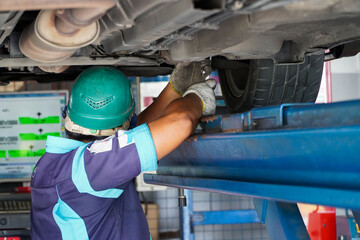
(35, 86)
(170, 223)
(345, 76)
(207, 201)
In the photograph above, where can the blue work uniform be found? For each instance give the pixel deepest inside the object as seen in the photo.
(85, 191)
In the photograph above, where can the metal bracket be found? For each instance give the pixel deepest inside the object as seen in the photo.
(250, 118)
(283, 220)
(9, 26)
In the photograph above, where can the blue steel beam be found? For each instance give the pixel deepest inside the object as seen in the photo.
(287, 116)
(326, 157)
(224, 217)
(313, 155)
(342, 198)
(291, 153)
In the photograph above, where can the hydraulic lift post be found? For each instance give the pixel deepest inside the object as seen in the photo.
(285, 154)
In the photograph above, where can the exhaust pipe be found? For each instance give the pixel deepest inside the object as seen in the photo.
(57, 34)
(42, 41)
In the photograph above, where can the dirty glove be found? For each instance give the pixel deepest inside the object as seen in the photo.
(205, 92)
(189, 73)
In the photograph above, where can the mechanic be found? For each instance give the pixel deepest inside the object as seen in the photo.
(82, 187)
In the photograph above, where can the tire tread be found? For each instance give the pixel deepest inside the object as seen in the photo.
(296, 83)
(272, 84)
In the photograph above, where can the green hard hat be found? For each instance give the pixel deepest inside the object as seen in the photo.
(101, 99)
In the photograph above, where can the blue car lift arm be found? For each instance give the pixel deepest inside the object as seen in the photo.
(290, 153)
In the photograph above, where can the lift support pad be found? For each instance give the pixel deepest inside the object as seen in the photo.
(306, 153)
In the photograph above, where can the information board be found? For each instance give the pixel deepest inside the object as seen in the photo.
(26, 120)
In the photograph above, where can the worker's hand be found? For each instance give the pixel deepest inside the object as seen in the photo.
(205, 91)
(189, 73)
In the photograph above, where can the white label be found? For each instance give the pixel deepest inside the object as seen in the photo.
(125, 139)
(99, 146)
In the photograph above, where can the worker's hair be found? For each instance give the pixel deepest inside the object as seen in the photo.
(82, 137)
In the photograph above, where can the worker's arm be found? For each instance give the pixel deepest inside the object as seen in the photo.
(181, 117)
(184, 75)
(179, 120)
(156, 109)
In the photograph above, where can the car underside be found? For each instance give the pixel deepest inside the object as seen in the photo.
(265, 51)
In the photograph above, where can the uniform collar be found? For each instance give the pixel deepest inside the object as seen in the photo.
(61, 145)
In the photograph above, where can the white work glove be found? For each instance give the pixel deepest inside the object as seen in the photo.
(189, 73)
(205, 92)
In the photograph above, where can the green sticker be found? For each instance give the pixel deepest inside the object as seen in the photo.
(47, 120)
(34, 137)
(26, 153)
(93, 131)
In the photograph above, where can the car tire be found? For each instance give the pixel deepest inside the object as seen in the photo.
(258, 83)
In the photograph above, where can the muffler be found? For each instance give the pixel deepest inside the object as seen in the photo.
(43, 41)
(57, 33)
